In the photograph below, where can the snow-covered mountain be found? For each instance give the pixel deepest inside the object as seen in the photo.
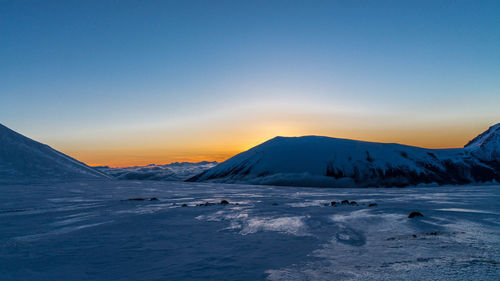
(22, 158)
(168, 172)
(333, 162)
(486, 146)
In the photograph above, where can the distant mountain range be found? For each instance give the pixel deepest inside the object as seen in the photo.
(168, 172)
(22, 158)
(332, 162)
(294, 161)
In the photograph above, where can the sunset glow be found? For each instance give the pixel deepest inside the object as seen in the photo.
(159, 82)
(219, 145)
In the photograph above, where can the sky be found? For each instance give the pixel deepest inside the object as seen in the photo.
(124, 83)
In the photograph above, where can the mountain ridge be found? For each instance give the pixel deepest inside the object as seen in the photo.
(332, 162)
(22, 158)
(177, 171)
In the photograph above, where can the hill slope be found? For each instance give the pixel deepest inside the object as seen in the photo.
(333, 162)
(22, 158)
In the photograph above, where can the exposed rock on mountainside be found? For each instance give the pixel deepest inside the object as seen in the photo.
(333, 162)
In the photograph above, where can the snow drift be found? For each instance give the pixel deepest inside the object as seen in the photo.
(22, 158)
(333, 162)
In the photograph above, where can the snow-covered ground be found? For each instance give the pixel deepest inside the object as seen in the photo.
(84, 231)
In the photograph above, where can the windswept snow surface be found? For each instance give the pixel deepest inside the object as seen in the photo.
(333, 162)
(22, 158)
(83, 231)
(169, 172)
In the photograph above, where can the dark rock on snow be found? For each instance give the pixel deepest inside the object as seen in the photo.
(415, 214)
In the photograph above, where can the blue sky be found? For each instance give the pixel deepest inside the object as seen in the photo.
(157, 81)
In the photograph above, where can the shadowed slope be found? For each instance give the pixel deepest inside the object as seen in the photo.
(23, 158)
(324, 161)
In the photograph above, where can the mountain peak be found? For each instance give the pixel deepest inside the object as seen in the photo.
(485, 137)
(486, 146)
(336, 162)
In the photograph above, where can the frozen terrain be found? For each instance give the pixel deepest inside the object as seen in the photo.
(22, 158)
(334, 162)
(83, 230)
(168, 172)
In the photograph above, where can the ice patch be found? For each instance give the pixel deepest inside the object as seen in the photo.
(223, 215)
(240, 219)
(462, 210)
(366, 217)
(64, 230)
(350, 237)
(313, 203)
(72, 220)
(290, 225)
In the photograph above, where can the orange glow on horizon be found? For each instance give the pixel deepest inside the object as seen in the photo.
(221, 136)
(214, 149)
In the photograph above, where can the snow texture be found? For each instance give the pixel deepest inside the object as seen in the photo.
(486, 146)
(88, 230)
(22, 158)
(333, 162)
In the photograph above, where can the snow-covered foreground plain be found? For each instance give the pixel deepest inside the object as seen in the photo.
(83, 231)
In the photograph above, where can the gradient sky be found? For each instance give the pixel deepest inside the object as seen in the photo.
(136, 82)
